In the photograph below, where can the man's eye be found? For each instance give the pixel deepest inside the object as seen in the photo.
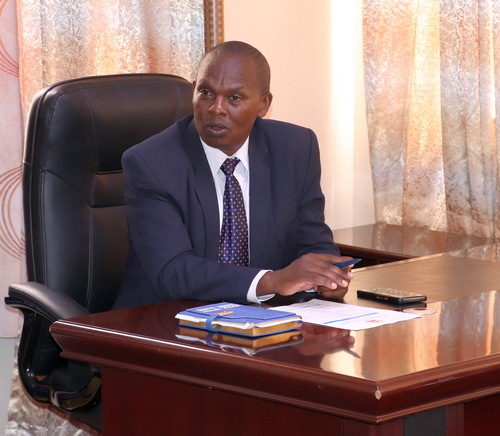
(235, 98)
(204, 91)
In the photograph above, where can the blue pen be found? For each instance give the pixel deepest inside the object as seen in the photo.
(347, 263)
(340, 265)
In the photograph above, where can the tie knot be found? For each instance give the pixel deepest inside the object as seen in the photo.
(229, 165)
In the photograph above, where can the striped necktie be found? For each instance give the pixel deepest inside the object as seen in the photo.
(233, 242)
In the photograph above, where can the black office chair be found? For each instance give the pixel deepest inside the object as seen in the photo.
(73, 194)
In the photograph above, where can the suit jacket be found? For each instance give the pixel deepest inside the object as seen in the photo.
(173, 215)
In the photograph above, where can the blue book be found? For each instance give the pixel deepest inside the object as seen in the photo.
(239, 319)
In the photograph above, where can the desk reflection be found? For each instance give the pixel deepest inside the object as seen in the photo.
(427, 342)
(310, 343)
(404, 242)
(323, 340)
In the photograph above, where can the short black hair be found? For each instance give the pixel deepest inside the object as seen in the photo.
(239, 48)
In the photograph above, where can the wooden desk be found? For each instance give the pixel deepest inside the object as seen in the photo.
(436, 375)
(381, 243)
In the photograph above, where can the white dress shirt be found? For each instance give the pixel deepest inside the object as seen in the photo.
(215, 159)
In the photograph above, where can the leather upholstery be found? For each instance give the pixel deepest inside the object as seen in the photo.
(74, 186)
(73, 193)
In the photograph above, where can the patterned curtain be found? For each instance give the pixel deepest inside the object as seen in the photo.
(63, 40)
(11, 130)
(60, 41)
(432, 74)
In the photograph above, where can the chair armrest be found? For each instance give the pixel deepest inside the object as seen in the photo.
(49, 303)
(48, 378)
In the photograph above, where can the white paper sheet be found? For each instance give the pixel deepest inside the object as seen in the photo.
(345, 316)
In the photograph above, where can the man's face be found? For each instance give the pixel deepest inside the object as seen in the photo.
(227, 100)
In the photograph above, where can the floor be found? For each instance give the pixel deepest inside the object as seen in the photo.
(21, 416)
(7, 346)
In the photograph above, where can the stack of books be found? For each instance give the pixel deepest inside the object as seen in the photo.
(239, 319)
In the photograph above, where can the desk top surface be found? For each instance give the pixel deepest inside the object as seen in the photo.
(389, 370)
(407, 242)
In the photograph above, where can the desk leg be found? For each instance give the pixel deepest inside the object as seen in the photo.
(455, 420)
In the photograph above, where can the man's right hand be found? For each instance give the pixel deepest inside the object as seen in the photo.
(311, 271)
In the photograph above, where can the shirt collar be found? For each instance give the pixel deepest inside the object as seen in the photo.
(216, 157)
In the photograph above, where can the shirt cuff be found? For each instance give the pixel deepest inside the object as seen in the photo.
(252, 290)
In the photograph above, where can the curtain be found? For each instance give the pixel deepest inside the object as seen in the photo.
(432, 77)
(62, 40)
(11, 229)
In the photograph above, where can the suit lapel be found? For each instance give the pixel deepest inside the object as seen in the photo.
(260, 194)
(205, 190)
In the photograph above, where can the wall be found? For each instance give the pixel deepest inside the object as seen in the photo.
(315, 52)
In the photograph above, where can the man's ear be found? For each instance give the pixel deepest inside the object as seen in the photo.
(265, 102)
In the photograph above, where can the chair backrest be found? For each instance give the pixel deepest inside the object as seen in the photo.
(73, 181)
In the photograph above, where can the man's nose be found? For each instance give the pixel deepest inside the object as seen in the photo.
(218, 106)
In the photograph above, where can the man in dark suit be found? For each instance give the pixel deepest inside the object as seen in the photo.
(175, 193)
